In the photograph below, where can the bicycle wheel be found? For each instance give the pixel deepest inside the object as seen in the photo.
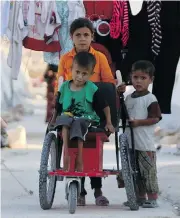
(72, 197)
(127, 173)
(47, 184)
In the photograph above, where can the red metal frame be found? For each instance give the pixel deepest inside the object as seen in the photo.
(103, 173)
(92, 158)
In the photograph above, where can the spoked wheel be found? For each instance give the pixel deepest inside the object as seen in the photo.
(72, 197)
(47, 184)
(127, 173)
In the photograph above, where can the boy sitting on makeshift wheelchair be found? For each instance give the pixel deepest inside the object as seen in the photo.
(77, 99)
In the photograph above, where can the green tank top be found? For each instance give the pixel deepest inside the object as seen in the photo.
(79, 103)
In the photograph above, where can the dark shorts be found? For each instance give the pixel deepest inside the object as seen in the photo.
(78, 126)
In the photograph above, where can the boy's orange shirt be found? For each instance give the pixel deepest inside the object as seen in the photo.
(102, 71)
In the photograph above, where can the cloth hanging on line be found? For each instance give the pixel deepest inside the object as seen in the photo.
(119, 24)
(43, 22)
(5, 7)
(135, 6)
(76, 10)
(65, 12)
(99, 13)
(63, 33)
(139, 43)
(16, 32)
(100, 8)
(29, 13)
(154, 9)
(167, 60)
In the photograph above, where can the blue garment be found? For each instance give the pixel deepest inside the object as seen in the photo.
(64, 34)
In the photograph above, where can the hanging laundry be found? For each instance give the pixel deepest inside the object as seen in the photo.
(64, 34)
(76, 10)
(154, 10)
(119, 24)
(5, 7)
(100, 8)
(29, 13)
(167, 60)
(65, 13)
(16, 32)
(139, 42)
(43, 23)
(135, 6)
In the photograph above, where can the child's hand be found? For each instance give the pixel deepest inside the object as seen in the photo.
(134, 123)
(109, 127)
(121, 88)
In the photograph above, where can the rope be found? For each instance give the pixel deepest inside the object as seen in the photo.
(29, 192)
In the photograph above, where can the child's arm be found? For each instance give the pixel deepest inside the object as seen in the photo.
(146, 122)
(109, 127)
(154, 116)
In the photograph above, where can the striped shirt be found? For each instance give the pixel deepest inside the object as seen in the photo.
(119, 24)
(154, 9)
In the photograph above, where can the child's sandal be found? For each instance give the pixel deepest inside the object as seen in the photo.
(140, 202)
(81, 201)
(150, 204)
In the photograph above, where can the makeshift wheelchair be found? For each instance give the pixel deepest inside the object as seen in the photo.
(93, 150)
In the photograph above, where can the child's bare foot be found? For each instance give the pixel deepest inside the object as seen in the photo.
(79, 164)
(66, 163)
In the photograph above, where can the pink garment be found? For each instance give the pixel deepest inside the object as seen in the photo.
(119, 24)
(43, 24)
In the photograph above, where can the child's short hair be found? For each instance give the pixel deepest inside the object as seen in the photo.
(52, 67)
(145, 66)
(85, 59)
(80, 23)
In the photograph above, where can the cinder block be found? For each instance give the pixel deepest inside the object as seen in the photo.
(17, 137)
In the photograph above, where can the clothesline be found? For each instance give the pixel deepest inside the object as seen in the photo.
(44, 26)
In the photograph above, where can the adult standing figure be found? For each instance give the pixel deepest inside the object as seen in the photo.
(51, 79)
